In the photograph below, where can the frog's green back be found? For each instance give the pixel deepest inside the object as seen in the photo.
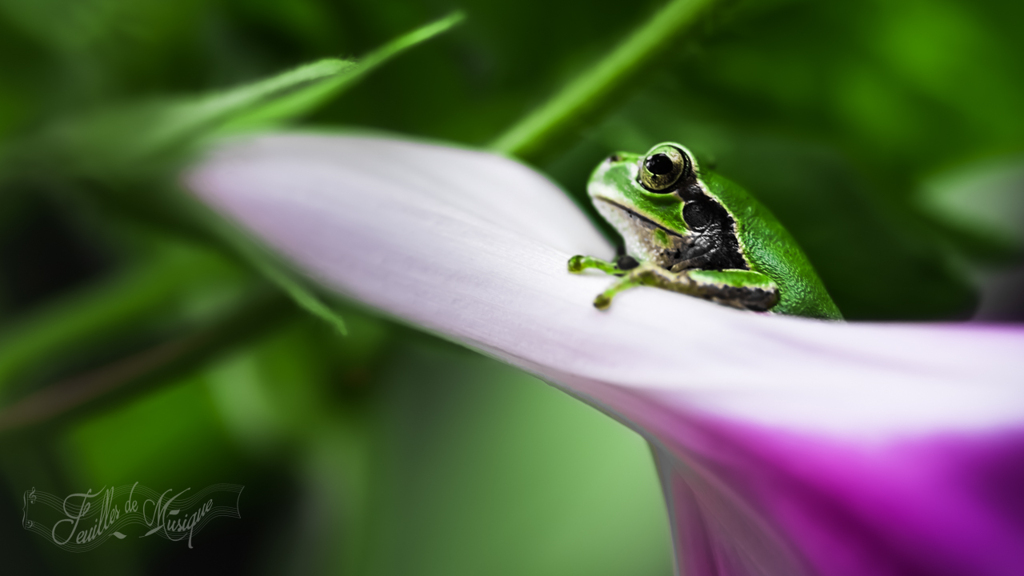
(772, 251)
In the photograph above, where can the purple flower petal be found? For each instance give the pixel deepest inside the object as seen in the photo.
(786, 445)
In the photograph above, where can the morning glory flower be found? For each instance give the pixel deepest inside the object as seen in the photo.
(786, 446)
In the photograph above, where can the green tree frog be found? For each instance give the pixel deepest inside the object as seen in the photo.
(690, 230)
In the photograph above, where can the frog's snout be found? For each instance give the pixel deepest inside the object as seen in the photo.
(613, 159)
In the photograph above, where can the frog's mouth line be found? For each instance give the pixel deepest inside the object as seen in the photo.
(634, 214)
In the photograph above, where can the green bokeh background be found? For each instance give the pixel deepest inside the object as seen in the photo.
(888, 136)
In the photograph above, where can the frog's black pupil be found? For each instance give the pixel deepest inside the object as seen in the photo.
(658, 164)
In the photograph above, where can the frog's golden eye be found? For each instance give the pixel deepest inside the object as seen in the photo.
(662, 168)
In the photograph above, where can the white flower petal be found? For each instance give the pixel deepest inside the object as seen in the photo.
(474, 247)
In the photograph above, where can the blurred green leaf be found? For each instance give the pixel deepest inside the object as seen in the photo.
(149, 137)
(134, 135)
(302, 101)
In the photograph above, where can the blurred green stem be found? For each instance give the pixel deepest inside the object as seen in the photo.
(162, 363)
(597, 88)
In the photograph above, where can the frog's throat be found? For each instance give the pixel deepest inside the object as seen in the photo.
(633, 214)
(645, 239)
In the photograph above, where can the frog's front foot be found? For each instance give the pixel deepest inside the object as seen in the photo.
(631, 273)
(639, 274)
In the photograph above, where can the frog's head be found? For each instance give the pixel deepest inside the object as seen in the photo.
(651, 185)
(661, 207)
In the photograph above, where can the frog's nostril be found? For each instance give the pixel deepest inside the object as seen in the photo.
(614, 158)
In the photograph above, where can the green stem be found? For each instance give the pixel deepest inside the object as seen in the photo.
(596, 88)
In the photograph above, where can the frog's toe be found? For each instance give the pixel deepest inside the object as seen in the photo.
(576, 264)
(602, 302)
